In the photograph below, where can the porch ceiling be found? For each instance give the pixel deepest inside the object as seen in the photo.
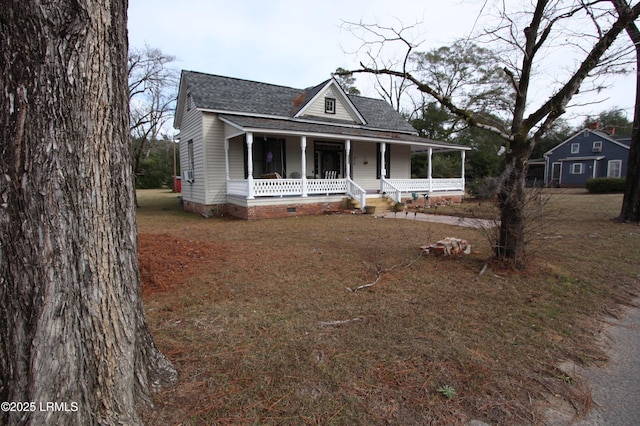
(299, 127)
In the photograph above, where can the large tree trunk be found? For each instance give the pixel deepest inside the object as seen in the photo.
(630, 211)
(512, 199)
(72, 327)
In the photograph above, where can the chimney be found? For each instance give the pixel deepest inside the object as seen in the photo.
(611, 130)
(594, 125)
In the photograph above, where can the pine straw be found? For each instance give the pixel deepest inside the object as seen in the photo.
(263, 331)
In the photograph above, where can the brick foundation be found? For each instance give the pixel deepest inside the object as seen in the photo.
(283, 210)
(263, 212)
(296, 209)
(205, 210)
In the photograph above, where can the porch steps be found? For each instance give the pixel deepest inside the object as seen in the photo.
(383, 205)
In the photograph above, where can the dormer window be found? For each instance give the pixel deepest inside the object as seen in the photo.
(330, 105)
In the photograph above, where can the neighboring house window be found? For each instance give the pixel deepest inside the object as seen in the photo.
(597, 146)
(330, 105)
(575, 148)
(576, 169)
(387, 161)
(614, 169)
(188, 101)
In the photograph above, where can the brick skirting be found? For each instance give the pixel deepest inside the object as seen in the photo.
(294, 209)
(264, 212)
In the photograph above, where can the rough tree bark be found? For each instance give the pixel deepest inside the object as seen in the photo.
(630, 210)
(72, 326)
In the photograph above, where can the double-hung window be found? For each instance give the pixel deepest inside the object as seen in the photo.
(576, 169)
(614, 168)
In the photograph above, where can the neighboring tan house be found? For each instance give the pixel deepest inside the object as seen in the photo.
(590, 153)
(256, 150)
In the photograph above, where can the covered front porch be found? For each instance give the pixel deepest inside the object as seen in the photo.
(336, 179)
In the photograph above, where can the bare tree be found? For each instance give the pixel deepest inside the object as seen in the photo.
(73, 331)
(526, 128)
(152, 96)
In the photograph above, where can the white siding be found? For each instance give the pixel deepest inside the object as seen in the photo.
(294, 156)
(236, 158)
(317, 108)
(191, 129)
(214, 159)
(400, 161)
(365, 174)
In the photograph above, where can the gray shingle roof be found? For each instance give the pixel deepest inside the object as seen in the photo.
(288, 125)
(233, 95)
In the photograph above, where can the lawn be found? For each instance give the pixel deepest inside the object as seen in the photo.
(258, 318)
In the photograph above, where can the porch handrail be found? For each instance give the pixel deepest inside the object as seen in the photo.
(391, 190)
(356, 192)
(435, 184)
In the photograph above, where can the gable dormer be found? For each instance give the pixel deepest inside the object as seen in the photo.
(330, 103)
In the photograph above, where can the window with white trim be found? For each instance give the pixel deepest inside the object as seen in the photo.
(597, 146)
(575, 148)
(189, 174)
(330, 105)
(614, 168)
(576, 169)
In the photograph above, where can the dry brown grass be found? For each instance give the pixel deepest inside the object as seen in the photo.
(249, 325)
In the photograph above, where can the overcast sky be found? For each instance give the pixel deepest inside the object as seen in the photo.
(298, 43)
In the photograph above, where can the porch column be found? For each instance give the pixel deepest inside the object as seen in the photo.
(226, 157)
(464, 155)
(303, 164)
(250, 165)
(383, 166)
(429, 170)
(347, 147)
(226, 161)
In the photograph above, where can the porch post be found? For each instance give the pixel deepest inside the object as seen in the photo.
(383, 166)
(429, 170)
(226, 160)
(347, 147)
(303, 162)
(463, 154)
(250, 165)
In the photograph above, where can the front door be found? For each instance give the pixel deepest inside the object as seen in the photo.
(555, 174)
(329, 160)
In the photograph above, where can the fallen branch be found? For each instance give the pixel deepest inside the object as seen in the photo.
(338, 323)
(360, 287)
(484, 268)
(379, 273)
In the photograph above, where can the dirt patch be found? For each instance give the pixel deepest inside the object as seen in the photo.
(166, 262)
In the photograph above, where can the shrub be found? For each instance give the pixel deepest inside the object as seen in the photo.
(485, 188)
(605, 185)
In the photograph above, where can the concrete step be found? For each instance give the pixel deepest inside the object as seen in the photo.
(382, 205)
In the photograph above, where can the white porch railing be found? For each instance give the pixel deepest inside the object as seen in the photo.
(284, 187)
(326, 186)
(357, 193)
(276, 187)
(431, 185)
(394, 188)
(392, 191)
